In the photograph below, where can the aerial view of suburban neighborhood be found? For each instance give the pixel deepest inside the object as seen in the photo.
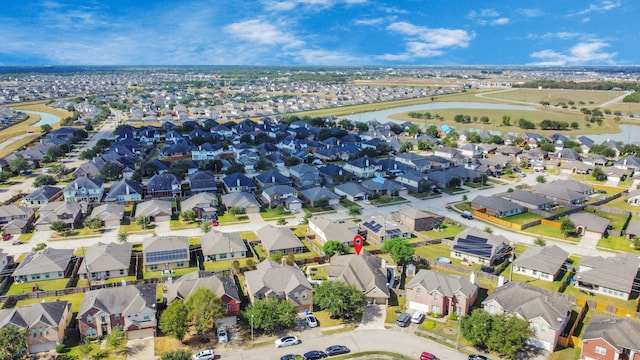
(319, 179)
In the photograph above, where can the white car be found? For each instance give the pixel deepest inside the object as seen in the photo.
(287, 341)
(204, 355)
(417, 317)
(366, 201)
(311, 320)
(223, 336)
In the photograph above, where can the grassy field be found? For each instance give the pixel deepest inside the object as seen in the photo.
(44, 285)
(554, 96)
(622, 204)
(445, 231)
(74, 299)
(603, 299)
(550, 231)
(523, 218)
(617, 243)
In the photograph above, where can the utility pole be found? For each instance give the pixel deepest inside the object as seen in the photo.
(87, 267)
(252, 328)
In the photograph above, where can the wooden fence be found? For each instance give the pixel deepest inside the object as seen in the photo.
(568, 338)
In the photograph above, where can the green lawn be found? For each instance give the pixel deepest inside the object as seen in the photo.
(262, 254)
(249, 236)
(519, 248)
(621, 204)
(616, 220)
(395, 308)
(550, 231)
(548, 285)
(135, 228)
(318, 273)
(570, 353)
(270, 214)
(223, 264)
(435, 251)
(25, 237)
(74, 299)
(384, 200)
(445, 231)
(603, 299)
(617, 243)
(179, 224)
(118, 280)
(181, 271)
(230, 218)
(523, 218)
(45, 285)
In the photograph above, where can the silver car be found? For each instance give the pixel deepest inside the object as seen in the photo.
(223, 336)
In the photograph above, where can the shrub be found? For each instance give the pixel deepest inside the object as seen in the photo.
(435, 316)
(428, 325)
(452, 316)
(60, 348)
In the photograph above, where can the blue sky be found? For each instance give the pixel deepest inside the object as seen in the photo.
(318, 32)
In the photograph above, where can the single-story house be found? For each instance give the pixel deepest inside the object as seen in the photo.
(166, 253)
(42, 196)
(281, 239)
(614, 276)
(326, 229)
(69, 213)
(313, 195)
(590, 224)
(218, 245)
(45, 264)
(111, 214)
(156, 210)
(105, 261)
(542, 262)
(243, 201)
(366, 272)
(418, 220)
(496, 206)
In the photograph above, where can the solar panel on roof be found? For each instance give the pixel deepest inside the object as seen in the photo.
(394, 231)
(167, 255)
(473, 238)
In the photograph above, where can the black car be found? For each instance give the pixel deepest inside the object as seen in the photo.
(337, 350)
(478, 357)
(314, 355)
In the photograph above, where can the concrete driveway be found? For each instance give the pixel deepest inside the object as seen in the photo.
(141, 349)
(373, 317)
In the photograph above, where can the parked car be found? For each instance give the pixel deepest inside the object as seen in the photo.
(300, 221)
(314, 355)
(223, 336)
(427, 356)
(516, 169)
(337, 350)
(403, 320)
(311, 320)
(478, 357)
(204, 355)
(287, 341)
(17, 242)
(467, 215)
(291, 357)
(366, 201)
(6, 237)
(418, 317)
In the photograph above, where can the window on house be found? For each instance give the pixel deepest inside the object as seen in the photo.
(259, 296)
(418, 291)
(146, 317)
(34, 332)
(40, 331)
(46, 331)
(435, 296)
(46, 275)
(116, 317)
(600, 350)
(180, 264)
(223, 256)
(296, 295)
(121, 271)
(304, 295)
(153, 267)
(492, 309)
(89, 319)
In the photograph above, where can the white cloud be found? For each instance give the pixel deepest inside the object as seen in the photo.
(529, 12)
(601, 7)
(565, 35)
(375, 21)
(425, 42)
(287, 5)
(262, 33)
(500, 21)
(581, 53)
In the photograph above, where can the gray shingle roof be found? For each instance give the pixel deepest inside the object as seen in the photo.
(218, 242)
(547, 259)
(44, 261)
(271, 277)
(278, 238)
(124, 300)
(50, 313)
(447, 285)
(186, 284)
(590, 221)
(497, 203)
(619, 332)
(617, 272)
(363, 271)
(106, 257)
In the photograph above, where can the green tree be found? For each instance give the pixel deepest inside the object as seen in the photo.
(44, 180)
(45, 128)
(291, 259)
(282, 221)
(333, 247)
(115, 339)
(204, 307)
(541, 179)
(12, 340)
(567, 226)
(143, 221)
(271, 314)
(339, 299)
(18, 164)
(57, 170)
(122, 236)
(180, 354)
(94, 222)
(406, 147)
(401, 252)
(174, 320)
(85, 348)
(432, 131)
(58, 226)
(276, 256)
(251, 263)
(188, 215)
(508, 335)
(540, 241)
(477, 327)
(598, 174)
(355, 211)
(4, 176)
(413, 129)
(205, 226)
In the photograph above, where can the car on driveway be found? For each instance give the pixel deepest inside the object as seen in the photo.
(418, 317)
(223, 336)
(311, 320)
(337, 350)
(478, 357)
(287, 341)
(204, 355)
(523, 175)
(366, 202)
(291, 357)
(467, 215)
(403, 320)
(314, 355)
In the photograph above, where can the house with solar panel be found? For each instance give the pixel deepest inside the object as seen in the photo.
(165, 253)
(476, 246)
(380, 228)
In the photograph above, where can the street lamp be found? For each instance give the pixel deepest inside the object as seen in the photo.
(252, 328)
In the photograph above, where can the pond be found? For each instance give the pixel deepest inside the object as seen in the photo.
(45, 118)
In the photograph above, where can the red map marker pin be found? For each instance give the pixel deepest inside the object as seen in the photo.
(358, 241)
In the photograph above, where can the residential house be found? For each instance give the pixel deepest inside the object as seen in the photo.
(352, 191)
(131, 308)
(529, 200)
(366, 272)
(595, 160)
(380, 228)
(629, 162)
(46, 323)
(384, 186)
(218, 245)
(414, 181)
(84, 189)
(17, 226)
(46, 264)
(314, 195)
(105, 261)
(472, 151)
(608, 337)
(546, 263)
(91, 168)
(448, 152)
(546, 312)
(442, 294)
(202, 181)
(224, 288)
(42, 196)
(111, 214)
(416, 162)
(271, 178)
(418, 220)
(244, 202)
(206, 152)
(363, 167)
(156, 210)
(305, 176)
(476, 246)
(575, 167)
(125, 191)
(12, 212)
(614, 276)
(275, 195)
(633, 230)
(280, 239)
(204, 204)
(166, 253)
(164, 185)
(633, 198)
(590, 224)
(237, 182)
(282, 281)
(496, 206)
(69, 213)
(326, 229)
(568, 192)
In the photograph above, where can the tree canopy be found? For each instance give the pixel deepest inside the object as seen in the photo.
(204, 307)
(12, 341)
(502, 333)
(333, 247)
(174, 320)
(399, 249)
(339, 298)
(271, 314)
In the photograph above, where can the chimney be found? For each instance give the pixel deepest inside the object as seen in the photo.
(366, 162)
(273, 179)
(238, 182)
(472, 277)
(500, 280)
(284, 261)
(127, 190)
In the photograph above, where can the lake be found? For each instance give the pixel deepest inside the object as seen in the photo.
(45, 118)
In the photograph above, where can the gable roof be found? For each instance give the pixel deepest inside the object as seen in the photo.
(317, 193)
(272, 278)
(44, 261)
(124, 187)
(445, 284)
(104, 257)
(29, 316)
(617, 272)
(240, 199)
(153, 208)
(623, 333)
(479, 243)
(237, 180)
(363, 271)
(124, 300)
(199, 199)
(162, 182)
(278, 238)
(496, 203)
(337, 230)
(109, 211)
(218, 242)
(590, 221)
(43, 193)
(547, 259)
(188, 283)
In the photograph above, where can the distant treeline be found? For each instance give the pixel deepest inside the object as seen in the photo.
(572, 85)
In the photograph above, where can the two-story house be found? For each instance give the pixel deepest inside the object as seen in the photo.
(363, 167)
(206, 152)
(125, 191)
(277, 194)
(418, 220)
(69, 213)
(85, 189)
(367, 273)
(283, 281)
(238, 182)
(476, 246)
(164, 185)
(608, 337)
(202, 181)
(442, 294)
(131, 308)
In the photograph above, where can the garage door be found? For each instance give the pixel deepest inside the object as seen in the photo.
(418, 306)
(139, 334)
(36, 348)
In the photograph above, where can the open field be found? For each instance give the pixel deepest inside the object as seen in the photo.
(588, 98)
